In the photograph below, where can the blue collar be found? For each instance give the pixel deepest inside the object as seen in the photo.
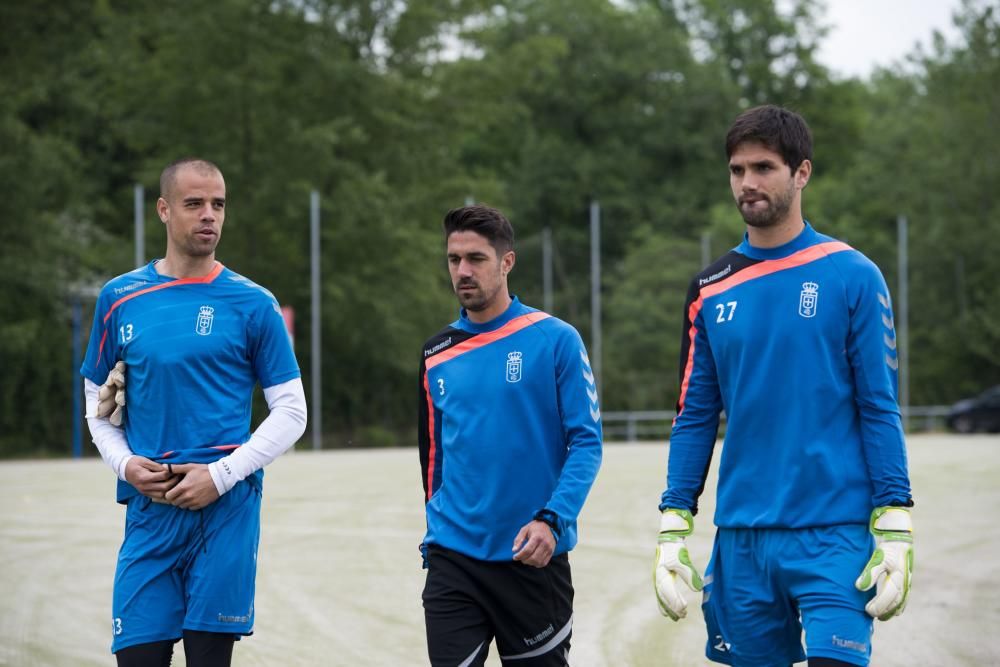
(513, 310)
(807, 237)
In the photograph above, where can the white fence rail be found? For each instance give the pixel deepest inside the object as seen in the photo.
(655, 424)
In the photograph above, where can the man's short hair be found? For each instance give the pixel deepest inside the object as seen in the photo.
(782, 131)
(169, 174)
(483, 220)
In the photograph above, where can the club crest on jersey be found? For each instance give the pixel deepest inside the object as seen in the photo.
(808, 299)
(203, 326)
(514, 366)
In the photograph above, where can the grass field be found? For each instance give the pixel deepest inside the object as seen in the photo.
(339, 579)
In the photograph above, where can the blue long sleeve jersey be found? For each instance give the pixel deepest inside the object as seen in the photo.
(509, 426)
(195, 348)
(797, 345)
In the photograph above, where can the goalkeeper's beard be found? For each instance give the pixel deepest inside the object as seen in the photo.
(776, 210)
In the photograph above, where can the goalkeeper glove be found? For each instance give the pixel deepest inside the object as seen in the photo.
(111, 395)
(672, 561)
(891, 565)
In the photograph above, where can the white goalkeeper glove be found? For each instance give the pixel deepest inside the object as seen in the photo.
(673, 562)
(891, 566)
(111, 395)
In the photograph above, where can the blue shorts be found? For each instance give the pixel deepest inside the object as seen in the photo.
(763, 586)
(187, 570)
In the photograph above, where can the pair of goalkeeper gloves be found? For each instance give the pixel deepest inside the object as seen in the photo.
(111, 395)
(888, 569)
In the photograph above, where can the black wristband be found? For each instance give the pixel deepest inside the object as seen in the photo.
(550, 519)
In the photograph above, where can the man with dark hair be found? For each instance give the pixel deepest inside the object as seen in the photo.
(485, 221)
(510, 444)
(193, 338)
(791, 333)
(780, 130)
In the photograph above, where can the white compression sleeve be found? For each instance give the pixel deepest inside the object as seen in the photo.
(284, 424)
(110, 440)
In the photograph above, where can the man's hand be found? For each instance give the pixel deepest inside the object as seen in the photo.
(195, 489)
(672, 561)
(534, 544)
(891, 566)
(111, 395)
(150, 478)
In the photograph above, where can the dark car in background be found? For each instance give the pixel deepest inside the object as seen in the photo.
(978, 414)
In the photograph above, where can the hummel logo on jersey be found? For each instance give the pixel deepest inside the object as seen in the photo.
(437, 348)
(129, 287)
(203, 325)
(588, 376)
(514, 366)
(715, 276)
(808, 299)
(889, 335)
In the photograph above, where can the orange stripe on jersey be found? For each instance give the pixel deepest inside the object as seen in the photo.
(769, 266)
(689, 366)
(482, 339)
(763, 268)
(473, 343)
(173, 283)
(167, 455)
(432, 450)
(100, 348)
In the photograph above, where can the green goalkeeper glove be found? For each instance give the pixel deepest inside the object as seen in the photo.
(891, 566)
(111, 395)
(672, 561)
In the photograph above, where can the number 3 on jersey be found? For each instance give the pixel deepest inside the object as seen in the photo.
(726, 311)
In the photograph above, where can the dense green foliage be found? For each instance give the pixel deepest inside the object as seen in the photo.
(398, 111)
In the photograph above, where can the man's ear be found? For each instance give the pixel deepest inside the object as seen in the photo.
(803, 173)
(507, 261)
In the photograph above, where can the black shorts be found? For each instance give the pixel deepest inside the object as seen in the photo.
(468, 602)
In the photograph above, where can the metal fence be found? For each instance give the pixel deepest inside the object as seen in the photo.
(655, 424)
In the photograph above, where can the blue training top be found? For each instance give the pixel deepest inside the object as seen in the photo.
(797, 345)
(195, 348)
(510, 429)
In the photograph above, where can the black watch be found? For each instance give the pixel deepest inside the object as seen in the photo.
(550, 519)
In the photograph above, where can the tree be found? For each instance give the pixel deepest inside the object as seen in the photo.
(645, 316)
(928, 125)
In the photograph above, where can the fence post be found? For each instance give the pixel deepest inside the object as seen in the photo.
(316, 409)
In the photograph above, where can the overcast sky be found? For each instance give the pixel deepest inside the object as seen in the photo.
(869, 33)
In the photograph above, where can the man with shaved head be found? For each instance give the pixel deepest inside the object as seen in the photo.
(168, 177)
(193, 339)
